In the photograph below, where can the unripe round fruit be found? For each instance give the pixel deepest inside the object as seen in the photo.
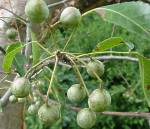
(11, 33)
(38, 103)
(37, 11)
(32, 109)
(86, 118)
(95, 66)
(70, 16)
(49, 114)
(99, 100)
(13, 99)
(35, 98)
(20, 87)
(76, 93)
(40, 85)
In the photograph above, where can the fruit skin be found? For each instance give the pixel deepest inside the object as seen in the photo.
(70, 16)
(99, 100)
(95, 66)
(38, 103)
(37, 11)
(11, 33)
(20, 87)
(49, 114)
(86, 118)
(76, 93)
(41, 86)
(13, 99)
(32, 109)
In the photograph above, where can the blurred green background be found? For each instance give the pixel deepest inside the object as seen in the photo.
(121, 77)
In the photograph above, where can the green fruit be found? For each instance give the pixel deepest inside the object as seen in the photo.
(13, 99)
(86, 118)
(49, 114)
(11, 33)
(40, 85)
(32, 109)
(76, 93)
(35, 98)
(99, 100)
(70, 16)
(37, 11)
(38, 103)
(20, 87)
(95, 67)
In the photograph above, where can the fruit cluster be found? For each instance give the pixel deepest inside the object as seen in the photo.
(98, 101)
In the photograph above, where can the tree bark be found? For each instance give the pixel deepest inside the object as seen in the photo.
(12, 117)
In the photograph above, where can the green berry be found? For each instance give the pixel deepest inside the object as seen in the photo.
(32, 109)
(20, 87)
(70, 16)
(86, 118)
(76, 93)
(95, 67)
(49, 114)
(37, 11)
(11, 33)
(13, 99)
(99, 100)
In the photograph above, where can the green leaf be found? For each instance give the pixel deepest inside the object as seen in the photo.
(144, 64)
(11, 52)
(19, 62)
(133, 16)
(36, 53)
(109, 43)
(12, 46)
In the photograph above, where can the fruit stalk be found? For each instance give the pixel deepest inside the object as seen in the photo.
(78, 75)
(70, 37)
(52, 78)
(33, 69)
(98, 78)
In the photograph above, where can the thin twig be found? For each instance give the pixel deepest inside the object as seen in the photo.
(38, 66)
(57, 3)
(109, 113)
(13, 14)
(3, 78)
(69, 39)
(28, 39)
(19, 37)
(113, 57)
